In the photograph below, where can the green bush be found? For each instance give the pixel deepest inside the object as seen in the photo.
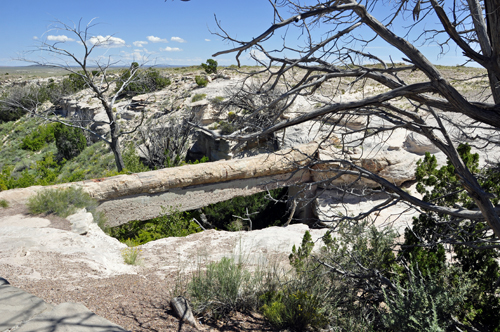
(132, 161)
(226, 128)
(424, 304)
(422, 245)
(38, 138)
(3, 203)
(210, 67)
(70, 141)
(64, 202)
(146, 81)
(293, 309)
(201, 81)
(198, 97)
(220, 289)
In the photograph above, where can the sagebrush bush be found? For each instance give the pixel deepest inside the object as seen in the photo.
(64, 202)
(220, 289)
(294, 309)
(146, 81)
(198, 97)
(424, 304)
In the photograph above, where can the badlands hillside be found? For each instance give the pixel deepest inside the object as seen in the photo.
(47, 256)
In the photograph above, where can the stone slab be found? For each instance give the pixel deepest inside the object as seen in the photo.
(66, 317)
(17, 306)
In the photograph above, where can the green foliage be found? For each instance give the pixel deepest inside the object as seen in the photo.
(424, 304)
(42, 172)
(226, 128)
(210, 67)
(264, 212)
(70, 141)
(61, 202)
(223, 287)
(198, 97)
(443, 187)
(146, 81)
(218, 99)
(298, 256)
(4, 204)
(38, 138)
(75, 82)
(131, 256)
(293, 309)
(172, 223)
(132, 161)
(201, 81)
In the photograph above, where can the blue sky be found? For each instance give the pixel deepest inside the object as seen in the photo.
(171, 32)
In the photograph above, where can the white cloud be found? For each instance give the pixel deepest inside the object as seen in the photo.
(60, 38)
(107, 42)
(171, 49)
(154, 39)
(139, 43)
(258, 55)
(206, 39)
(178, 39)
(35, 37)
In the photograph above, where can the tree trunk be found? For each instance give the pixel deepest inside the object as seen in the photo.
(115, 141)
(492, 8)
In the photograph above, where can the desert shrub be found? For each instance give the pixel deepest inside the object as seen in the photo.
(61, 202)
(424, 304)
(131, 254)
(42, 172)
(218, 99)
(172, 223)
(293, 309)
(201, 81)
(263, 211)
(146, 81)
(220, 289)
(70, 141)
(198, 97)
(210, 67)
(226, 128)
(132, 160)
(38, 138)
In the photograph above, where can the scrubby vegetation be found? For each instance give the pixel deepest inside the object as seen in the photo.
(64, 202)
(172, 223)
(201, 81)
(146, 81)
(210, 67)
(364, 279)
(198, 97)
(229, 215)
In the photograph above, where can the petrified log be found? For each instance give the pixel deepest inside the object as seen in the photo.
(183, 311)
